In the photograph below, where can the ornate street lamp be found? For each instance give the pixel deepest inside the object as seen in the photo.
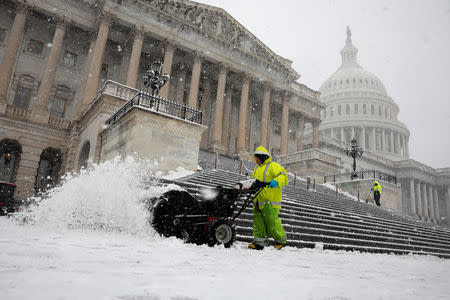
(154, 79)
(354, 151)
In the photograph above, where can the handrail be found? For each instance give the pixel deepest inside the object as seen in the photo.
(364, 174)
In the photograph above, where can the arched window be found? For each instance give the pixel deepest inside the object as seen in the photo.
(84, 155)
(48, 171)
(10, 152)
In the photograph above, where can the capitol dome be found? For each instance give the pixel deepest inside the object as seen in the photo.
(358, 106)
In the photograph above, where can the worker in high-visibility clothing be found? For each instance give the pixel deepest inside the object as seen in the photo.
(376, 192)
(267, 204)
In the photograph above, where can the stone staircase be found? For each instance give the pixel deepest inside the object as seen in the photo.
(322, 219)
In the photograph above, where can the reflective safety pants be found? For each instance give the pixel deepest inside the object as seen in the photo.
(266, 223)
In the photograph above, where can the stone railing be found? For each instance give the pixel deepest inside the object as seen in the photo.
(118, 90)
(16, 111)
(58, 122)
(443, 171)
(306, 155)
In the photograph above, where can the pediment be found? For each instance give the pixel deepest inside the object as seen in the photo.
(216, 22)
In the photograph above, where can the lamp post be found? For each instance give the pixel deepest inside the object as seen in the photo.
(354, 151)
(154, 79)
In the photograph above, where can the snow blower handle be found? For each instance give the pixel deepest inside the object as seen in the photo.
(255, 189)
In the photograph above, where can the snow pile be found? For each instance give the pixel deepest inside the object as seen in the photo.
(111, 196)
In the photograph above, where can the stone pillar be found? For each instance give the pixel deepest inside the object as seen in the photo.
(363, 137)
(90, 92)
(437, 213)
(431, 203)
(391, 135)
(419, 201)
(218, 113)
(265, 116)
(181, 85)
(353, 133)
(396, 143)
(226, 121)
(284, 125)
(169, 50)
(412, 196)
(301, 132)
(383, 140)
(373, 145)
(206, 108)
(342, 134)
(85, 77)
(41, 113)
(315, 133)
(133, 67)
(407, 147)
(11, 52)
(195, 81)
(423, 188)
(243, 115)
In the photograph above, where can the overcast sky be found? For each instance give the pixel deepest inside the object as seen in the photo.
(405, 43)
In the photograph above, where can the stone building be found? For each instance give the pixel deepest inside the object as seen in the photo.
(58, 57)
(358, 106)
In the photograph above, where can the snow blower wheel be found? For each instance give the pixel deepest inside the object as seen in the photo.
(221, 232)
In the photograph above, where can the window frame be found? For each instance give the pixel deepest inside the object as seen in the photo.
(41, 55)
(71, 53)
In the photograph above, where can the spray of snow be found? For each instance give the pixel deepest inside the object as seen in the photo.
(111, 196)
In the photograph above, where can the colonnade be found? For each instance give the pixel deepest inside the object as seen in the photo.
(91, 77)
(374, 138)
(424, 200)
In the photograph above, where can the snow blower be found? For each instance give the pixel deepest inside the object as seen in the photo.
(203, 219)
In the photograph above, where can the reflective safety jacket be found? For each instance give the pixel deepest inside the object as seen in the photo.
(377, 187)
(267, 172)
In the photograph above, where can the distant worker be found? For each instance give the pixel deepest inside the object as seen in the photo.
(267, 204)
(376, 192)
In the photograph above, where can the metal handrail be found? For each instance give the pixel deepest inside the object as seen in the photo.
(364, 174)
(161, 105)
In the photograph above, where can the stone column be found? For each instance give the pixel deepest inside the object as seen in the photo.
(206, 108)
(407, 147)
(353, 133)
(437, 213)
(315, 133)
(383, 140)
(243, 115)
(41, 113)
(218, 113)
(181, 84)
(342, 134)
(85, 77)
(392, 142)
(265, 116)
(11, 52)
(363, 137)
(284, 124)
(419, 201)
(374, 139)
(412, 196)
(396, 143)
(90, 92)
(301, 132)
(423, 188)
(133, 67)
(169, 50)
(431, 203)
(226, 121)
(195, 81)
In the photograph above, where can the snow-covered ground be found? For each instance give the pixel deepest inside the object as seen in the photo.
(89, 240)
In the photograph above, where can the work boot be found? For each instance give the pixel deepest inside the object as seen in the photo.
(279, 246)
(255, 246)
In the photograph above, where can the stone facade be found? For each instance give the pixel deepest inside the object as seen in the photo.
(55, 55)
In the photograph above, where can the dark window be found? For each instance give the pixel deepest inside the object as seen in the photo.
(48, 171)
(347, 109)
(22, 97)
(292, 134)
(372, 109)
(84, 155)
(35, 47)
(364, 109)
(70, 59)
(379, 110)
(276, 129)
(356, 108)
(2, 35)
(386, 112)
(331, 112)
(58, 107)
(339, 110)
(10, 152)
(104, 72)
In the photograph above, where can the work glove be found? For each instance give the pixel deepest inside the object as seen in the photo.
(273, 184)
